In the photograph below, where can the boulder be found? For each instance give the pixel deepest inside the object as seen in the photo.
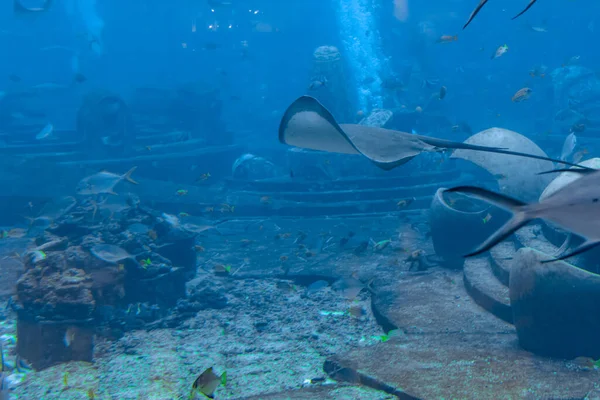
(507, 169)
(556, 306)
(459, 224)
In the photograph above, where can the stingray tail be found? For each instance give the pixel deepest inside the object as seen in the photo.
(576, 170)
(520, 216)
(457, 145)
(532, 2)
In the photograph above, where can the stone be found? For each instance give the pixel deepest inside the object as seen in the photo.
(556, 306)
(458, 224)
(451, 348)
(508, 170)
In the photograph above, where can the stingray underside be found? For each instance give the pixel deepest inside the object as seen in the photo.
(309, 125)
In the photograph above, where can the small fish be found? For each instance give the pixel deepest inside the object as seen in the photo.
(578, 128)
(203, 177)
(350, 287)
(79, 78)
(568, 146)
(45, 132)
(145, 263)
(110, 253)
(181, 192)
(447, 39)
(381, 245)
(500, 51)
(540, 29)
(522, 95)
(207, 382)
(577, 157)
(265, 200)
(69, 337)
(103, 182)
(443, 92)
(356, 311)
(37, 256)
(14, 78)
(487, 218)
(65, 379)
(430, 83)
(199, 249)
(586, 363)
(317, 83)
(91, 394)
(404, 202)
(211, 46)
(171, 220)
(222, 269)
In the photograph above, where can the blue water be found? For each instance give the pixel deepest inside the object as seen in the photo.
(233, 227)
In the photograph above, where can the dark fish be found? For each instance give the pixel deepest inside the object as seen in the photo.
(532, 2)
(575, 207)
(18, 7)
(14, 78)
(210, 46)
(578, 128)
(79, 78)
(443, 92)
(475, 12)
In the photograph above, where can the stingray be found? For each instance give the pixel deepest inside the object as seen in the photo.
(308, 124)
(575, 208)
(483, 2)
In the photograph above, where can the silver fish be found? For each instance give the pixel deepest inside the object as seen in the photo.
(103, 182)
(111, 253)
(575, 207)
(568, 146)
(45, 132)
(350, 287)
